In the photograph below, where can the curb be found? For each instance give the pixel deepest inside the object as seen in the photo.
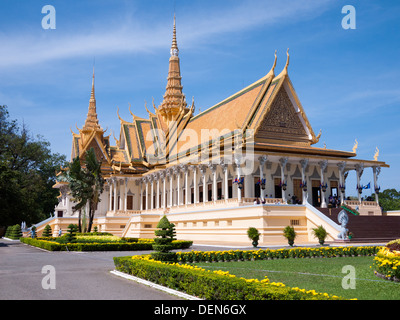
(154, 285)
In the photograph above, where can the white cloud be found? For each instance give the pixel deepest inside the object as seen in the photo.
(132, 36)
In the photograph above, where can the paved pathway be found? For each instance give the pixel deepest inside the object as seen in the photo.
(79, 276)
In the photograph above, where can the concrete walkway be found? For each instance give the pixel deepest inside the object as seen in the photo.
(80, 275)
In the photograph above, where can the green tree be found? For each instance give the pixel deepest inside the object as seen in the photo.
(389, 199)
(27, 174)
(86, 184)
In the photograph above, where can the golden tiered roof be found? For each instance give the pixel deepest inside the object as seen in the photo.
(269, 108)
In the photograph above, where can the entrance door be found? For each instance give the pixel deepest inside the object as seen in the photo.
(316, 193)
(278, 188)
(297, 191)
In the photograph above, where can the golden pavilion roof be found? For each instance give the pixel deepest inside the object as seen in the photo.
(269, 109)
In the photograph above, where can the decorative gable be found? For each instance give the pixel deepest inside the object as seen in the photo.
(283, 121)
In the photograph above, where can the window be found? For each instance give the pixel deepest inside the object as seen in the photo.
(129, 203)
(295, 222)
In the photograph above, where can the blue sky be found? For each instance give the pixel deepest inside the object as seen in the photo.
(347, 80)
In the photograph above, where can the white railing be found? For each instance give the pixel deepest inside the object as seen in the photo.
(354, 203)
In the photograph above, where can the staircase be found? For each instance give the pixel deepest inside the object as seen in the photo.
(368, 228)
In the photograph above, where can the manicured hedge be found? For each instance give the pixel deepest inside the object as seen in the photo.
(261, 254)
(50, 245)
(217, 285)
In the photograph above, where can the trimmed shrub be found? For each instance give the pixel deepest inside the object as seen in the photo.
(70, 237)
(15, 232)
(47, 231)
(57, 244)
(163, 246)
(289, 234)
(206, 284)
(253, 235)
(263, 254)
(320, 233)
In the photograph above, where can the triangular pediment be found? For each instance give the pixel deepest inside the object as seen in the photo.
(284, 121)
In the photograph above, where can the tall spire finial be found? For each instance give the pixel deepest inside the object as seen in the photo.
(91, 120)
(174, 47)
(92, 97)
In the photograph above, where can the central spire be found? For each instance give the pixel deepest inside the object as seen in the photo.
(174, 103)
(91, 120)
(174, 47)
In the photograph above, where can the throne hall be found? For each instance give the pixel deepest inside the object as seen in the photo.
(247, 161)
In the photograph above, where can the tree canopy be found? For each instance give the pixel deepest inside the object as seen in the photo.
(389, 199)
(85, 184)
(27, 174)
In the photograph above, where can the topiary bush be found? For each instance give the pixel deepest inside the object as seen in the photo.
(47, 231)
(162, 243)
(15, 232)
(70, 237)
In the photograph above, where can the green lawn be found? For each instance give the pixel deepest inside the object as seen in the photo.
(320, 274)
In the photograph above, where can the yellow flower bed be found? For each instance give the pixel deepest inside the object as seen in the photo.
(387, 264)
(265, 283)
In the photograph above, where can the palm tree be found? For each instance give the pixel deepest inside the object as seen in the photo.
(86, 185)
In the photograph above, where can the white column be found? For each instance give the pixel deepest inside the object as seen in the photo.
(203, 170)
(158, 191)
(115, 193)
(141, 193)
(164, 200)
(359, 171)
(185, 168)
(126, 194)
(213, 169)
(225, 171)
(110, 196)
(171, 176)
(283, 162)
(195, 186)
(304, 164)
(178, 185)
(262, 161)
(322, 165)
(146, 197)
(341, 165)
(376, 170)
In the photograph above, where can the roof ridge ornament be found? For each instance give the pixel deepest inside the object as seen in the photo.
(285, 69)
(271, 72)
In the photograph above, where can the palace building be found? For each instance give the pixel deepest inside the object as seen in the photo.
(248, 161)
